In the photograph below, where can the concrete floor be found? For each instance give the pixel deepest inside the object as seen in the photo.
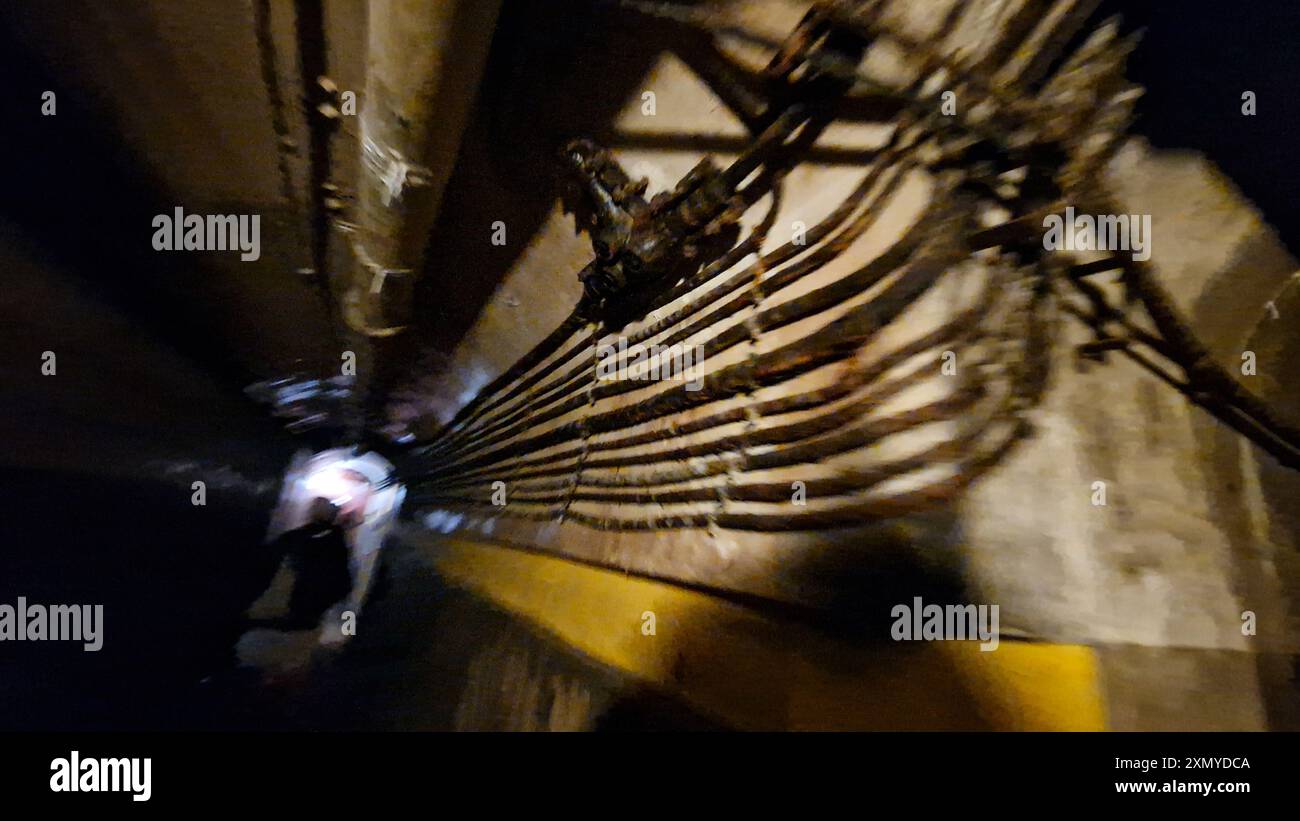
(448, 641)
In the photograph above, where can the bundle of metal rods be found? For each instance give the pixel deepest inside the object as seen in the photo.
(838, 379)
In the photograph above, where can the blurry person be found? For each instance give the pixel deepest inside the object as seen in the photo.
(281, 629)
(317, 553)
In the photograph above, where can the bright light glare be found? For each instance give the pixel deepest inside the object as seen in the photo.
(332, 483)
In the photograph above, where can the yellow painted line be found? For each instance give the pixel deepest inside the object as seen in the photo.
(754, 671)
